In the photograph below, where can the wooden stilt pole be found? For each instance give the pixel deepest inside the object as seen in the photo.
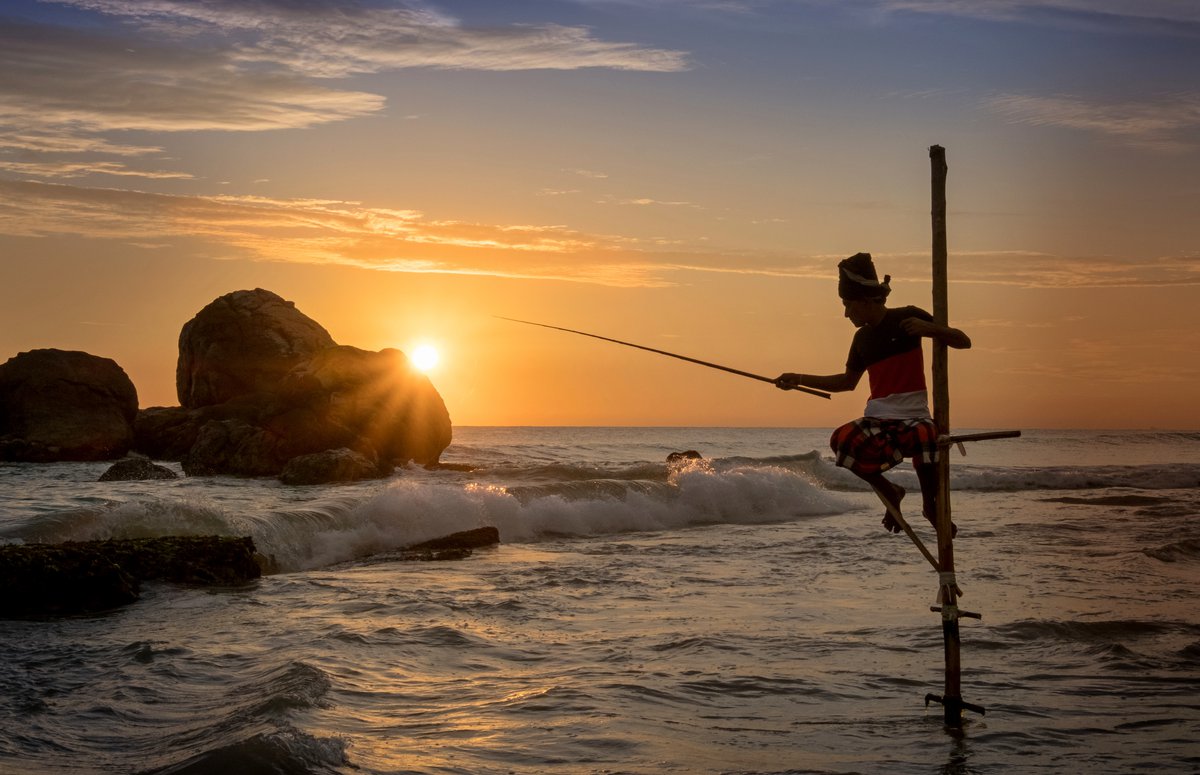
(951, 698)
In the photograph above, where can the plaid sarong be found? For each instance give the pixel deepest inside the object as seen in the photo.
(869, 445)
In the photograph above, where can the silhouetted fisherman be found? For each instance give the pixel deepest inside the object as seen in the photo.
(896, 422)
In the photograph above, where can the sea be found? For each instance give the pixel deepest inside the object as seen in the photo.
(742, 613)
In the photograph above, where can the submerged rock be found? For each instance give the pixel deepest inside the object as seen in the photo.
(333, 465)
(68, 578)
(135, 469)
(65, 405)
(465, 539)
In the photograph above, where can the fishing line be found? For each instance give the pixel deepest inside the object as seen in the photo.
(697, 361)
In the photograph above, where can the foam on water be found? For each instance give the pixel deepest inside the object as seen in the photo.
(408, 511)
(341, 524)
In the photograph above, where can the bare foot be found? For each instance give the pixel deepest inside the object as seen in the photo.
(894, 497)
(933, 521)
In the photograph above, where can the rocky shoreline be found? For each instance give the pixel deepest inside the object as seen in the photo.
(264, 390)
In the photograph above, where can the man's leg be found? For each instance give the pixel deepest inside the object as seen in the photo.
(927, 476)
(891, 492)
(859, 447)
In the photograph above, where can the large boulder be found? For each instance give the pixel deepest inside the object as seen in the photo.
(261, 384)
(380, 398)
(243, 342)
(65, 405)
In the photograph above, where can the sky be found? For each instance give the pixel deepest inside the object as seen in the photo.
(682, 174)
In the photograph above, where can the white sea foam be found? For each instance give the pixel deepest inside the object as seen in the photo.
(409, 511)
(531, 490)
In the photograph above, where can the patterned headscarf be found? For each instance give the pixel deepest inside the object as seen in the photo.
(857, 279)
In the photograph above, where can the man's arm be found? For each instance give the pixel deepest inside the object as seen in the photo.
(830, 383)
(951, 337)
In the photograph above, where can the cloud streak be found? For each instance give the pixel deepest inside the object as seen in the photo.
(349, 234)
(336, 39)
(1164, 17)
(323, 232)
(1170, 124)
(58, 78)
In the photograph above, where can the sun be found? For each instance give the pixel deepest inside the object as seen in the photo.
(424, 357)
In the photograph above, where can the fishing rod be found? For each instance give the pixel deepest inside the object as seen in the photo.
(739, 372)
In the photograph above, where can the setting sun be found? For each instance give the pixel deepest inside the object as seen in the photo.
(424, 357)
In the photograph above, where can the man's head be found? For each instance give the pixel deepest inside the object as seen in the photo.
(862, 293)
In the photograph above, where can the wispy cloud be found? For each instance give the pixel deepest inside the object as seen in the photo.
(57, 78)
(348, 233)
(78, 169)
(325, 232)
(343, 37)
(648, 202)
(51, 140)
(1169, 17)
(1170, 123)
(229, 65)
(1164, 357)
(1032, 269)
(585, 173)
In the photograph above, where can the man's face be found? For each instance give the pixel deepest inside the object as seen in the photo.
(859, 311)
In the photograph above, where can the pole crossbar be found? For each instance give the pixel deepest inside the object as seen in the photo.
(950, 440)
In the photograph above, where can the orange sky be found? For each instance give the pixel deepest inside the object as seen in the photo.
(681, 175)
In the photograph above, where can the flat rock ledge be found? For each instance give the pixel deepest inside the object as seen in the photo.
(87, 576)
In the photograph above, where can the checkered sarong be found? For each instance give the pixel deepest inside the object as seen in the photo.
(869, 445)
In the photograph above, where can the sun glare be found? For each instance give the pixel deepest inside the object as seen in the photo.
(424, 357)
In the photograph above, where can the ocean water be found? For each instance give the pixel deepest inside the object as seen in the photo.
(743, 614)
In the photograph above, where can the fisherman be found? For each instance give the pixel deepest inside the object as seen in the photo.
(896, 423)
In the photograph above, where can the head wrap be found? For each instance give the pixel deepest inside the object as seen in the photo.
(857, 279)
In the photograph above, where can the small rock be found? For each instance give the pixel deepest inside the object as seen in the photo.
(333, 465)
(135, 469)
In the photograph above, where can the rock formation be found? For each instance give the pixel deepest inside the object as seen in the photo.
(65, 405)
(242, 343)
(261, 384)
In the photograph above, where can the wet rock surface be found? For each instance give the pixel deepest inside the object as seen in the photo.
(86, 576)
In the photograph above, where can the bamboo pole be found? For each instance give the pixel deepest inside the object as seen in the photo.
(951, 699)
